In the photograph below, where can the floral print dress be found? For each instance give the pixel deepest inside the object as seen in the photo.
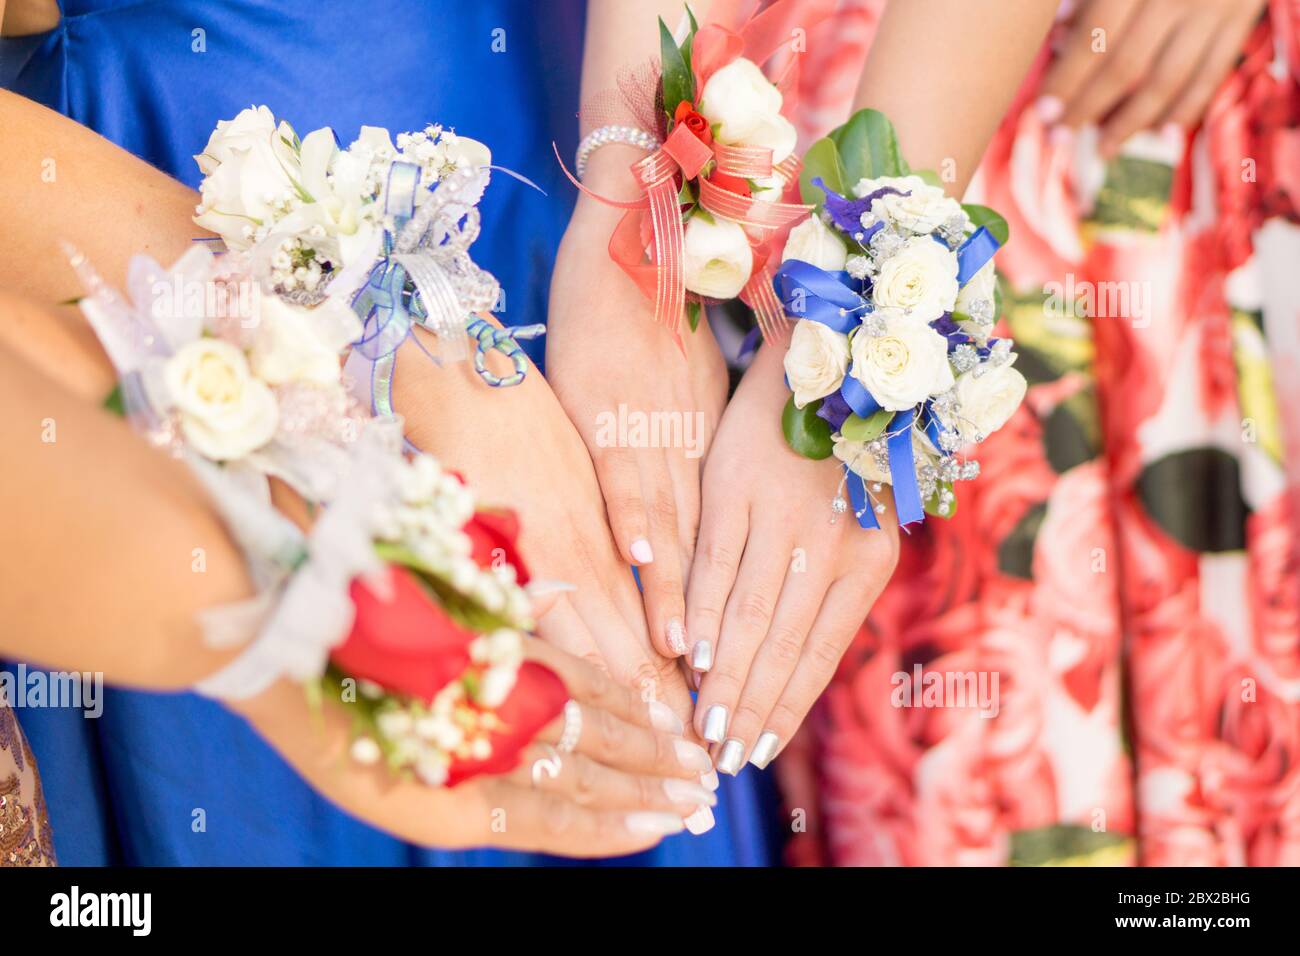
(25, 838)
(1128, 564)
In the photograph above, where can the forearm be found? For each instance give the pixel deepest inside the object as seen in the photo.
(110, 546)
(945, 71)
(64, 182)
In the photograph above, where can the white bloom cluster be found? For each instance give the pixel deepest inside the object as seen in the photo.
(429, 518)
(304, 208)
(903, 252)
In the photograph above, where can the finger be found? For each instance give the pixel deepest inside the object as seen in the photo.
(724, 527)
(620, 484)
(745, 623)
(526, 819)
(661, 582)
(1174, 70)
(596, 786)
(775, 661)
(1129, 54)
(684, 470)
(1093, 28)
(845, 608)
(593, 686)
(1188, 109)
(617, 743)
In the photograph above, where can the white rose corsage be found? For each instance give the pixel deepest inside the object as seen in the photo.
(893, 363)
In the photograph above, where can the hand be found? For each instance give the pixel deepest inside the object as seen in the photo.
(780, 588)
(606, 355)
(1162, 62)
(516, 448)
(629, 782)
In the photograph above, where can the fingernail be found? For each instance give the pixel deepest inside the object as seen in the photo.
(676, 637)
(710, 779)
(701, 821)
(653, 824)
(702, 655)
(1171, 130)
(539, 588)
(689, 794)
(715, 723)
(1049, 108)
(764, 750)
(732, 757)
(1060, 136)
(642, 553)
(663, 718)
(692, 756)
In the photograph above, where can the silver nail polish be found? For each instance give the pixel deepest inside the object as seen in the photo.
(715, 723)
(710, 779)
(701, 821)
(732, 756)
(689, 794)
(702, 655)
(692, 756)
(764, 750)
(653, 824)
(663, 718)
(676, 637)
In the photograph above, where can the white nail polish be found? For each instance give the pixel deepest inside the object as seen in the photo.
(692, 756)
(710, 780)
(701, 821)
(663, 718)
(702, 656)
(653, 824)
(539, 588)
(676, 637)
(732, 756)
(715, 723)
(642, 553)
(764, 750)
(689, 794)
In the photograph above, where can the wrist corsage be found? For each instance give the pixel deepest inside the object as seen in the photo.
(718, 188)
(893, 362)
(404, 601)
(382, 226)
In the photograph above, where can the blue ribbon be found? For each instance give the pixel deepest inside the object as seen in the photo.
(902, 469)
(862, 508)
(808, 292)
(974, 253)
(857, 396)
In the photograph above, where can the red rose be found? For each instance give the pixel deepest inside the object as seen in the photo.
(407, 644)
(695, 122)
(495, 535)
(537, 699)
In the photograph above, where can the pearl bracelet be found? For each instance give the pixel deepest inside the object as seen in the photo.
(627, 135)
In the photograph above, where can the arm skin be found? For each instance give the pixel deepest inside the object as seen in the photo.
(944, 72)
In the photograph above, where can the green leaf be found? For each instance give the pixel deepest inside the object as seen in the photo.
(689, 43)
(822, 161)
(677, 81)
(75, 300)
(986, 217)
(807, 434)
(931, 504)
(114, 403)
(865, 429)
(868, 147)
(693, 315)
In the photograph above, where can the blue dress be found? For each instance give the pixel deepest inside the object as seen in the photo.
(154, 77)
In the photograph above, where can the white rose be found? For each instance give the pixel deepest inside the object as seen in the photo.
(980, 287)
(225, 412)
(923, 210)
(251, 171)
(863, 462)
(904, 365)
(813, 242)
(985, 402)
(745, 109)
(298, 344)
(816, 361)
(718, 257)
(920, 278)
